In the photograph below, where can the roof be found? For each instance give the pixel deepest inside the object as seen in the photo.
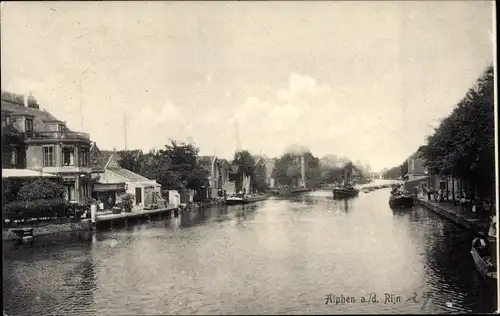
(269, 168)
(25, 173)
(129, 175)
(19, 109)
(206, 162)
(99, 158)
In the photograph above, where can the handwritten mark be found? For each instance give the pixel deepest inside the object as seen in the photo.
(424, 298)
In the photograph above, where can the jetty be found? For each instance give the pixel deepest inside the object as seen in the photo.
(140, 214)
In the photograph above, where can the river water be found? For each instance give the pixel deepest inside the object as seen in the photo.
(276, 256)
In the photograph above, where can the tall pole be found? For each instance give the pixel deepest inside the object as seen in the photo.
(237, 132)
(125, 128)
(81, 105)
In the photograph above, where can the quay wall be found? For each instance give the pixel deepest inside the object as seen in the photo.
(49, 229)
(475, 225)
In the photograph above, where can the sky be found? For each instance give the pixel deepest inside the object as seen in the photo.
(365, 80)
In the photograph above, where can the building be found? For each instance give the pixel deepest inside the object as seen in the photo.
(419, 175)
(13, 150)
(271, 183)
(113, 181)
(260, 170)
(47, 145)
(211, 166)
(417, 172)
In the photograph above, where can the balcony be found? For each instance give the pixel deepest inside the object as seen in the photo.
(66, 135)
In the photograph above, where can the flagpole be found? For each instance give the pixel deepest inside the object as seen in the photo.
(125, 127)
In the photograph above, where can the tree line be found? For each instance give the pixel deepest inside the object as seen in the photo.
(176, 167)
(462, 146)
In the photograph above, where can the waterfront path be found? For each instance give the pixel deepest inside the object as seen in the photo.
(457, 214)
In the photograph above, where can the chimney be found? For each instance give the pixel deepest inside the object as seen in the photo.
(25, 97)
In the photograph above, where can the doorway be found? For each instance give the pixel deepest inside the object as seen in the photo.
(138, 196)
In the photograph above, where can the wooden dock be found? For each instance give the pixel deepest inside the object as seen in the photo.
(136, 214)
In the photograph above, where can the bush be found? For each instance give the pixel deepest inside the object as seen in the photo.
(42, 189)
(22, 210)
(128, 201)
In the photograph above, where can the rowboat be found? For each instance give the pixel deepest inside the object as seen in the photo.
(484, 262)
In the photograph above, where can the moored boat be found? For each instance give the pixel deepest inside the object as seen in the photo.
(345, 192)
(251, 198)
(401, 200)
(485, 264)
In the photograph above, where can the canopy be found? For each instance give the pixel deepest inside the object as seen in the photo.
(25, 173)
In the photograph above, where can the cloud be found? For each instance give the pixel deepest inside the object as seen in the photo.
(305, 112)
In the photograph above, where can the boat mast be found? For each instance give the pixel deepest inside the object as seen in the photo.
(302, 172)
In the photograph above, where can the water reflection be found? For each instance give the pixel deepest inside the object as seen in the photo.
(278, 256)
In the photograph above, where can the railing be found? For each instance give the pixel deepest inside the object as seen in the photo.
(57, 135)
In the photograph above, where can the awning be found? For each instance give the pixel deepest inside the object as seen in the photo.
(25, 173)
(107, 187)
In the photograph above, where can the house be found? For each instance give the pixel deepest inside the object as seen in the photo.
(224, 168)
(218, 170)
(419, 175)
(417, 172)
(39, 141)
(260, 170)
(271, 183)
(113, 181)
(211, 166)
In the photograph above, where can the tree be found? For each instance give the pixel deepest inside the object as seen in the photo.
(312, 170)
(177, 166)
(285, 169)
(259, 177)
(41, 189)
(131, 160)
(245, 162)
(403, 168)
(463, 144)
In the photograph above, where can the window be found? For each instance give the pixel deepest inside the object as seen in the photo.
(48, 157)
(14, 156)
(68, 156)
(69, 192)
(442, 185)
(61, 128)
(84, 157)
(29, 125)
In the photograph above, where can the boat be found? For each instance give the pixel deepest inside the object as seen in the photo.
(245, 199)
(485, 264)
(345, 191)
(401, 200)
(299, 190)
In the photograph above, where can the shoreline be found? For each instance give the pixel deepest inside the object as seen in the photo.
(47, 229)
(474, 224)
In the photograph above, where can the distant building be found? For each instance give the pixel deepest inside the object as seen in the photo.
(211, 165)
(39, 141)
(269, 173)
(416, 166)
